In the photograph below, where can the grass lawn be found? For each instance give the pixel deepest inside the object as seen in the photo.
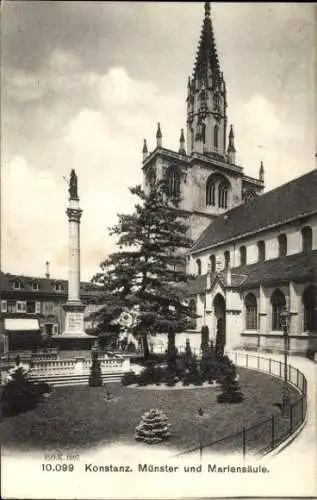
(80, 417)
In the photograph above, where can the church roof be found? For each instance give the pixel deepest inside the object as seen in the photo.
(299, 267)
(292, 200)
(206, 56)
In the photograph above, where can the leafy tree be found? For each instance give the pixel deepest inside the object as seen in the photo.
(147, 274)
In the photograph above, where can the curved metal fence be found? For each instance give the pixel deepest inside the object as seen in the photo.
(267, 434)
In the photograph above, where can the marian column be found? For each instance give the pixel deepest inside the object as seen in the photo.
(74, 320)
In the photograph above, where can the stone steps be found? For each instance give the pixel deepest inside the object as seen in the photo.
(63, 381)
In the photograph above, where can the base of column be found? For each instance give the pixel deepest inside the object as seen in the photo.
(74, 320)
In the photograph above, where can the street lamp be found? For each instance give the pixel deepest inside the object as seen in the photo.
(284, 318)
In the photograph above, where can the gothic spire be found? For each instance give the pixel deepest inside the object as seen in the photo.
(145, 150)
(206, 57)
(261, 172)
(159, 136)
(182, 143)
(231, 148)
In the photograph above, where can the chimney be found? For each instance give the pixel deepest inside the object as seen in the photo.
(47, 274)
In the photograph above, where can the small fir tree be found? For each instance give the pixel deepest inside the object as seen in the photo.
(153, 428)
(220, 339)
(204, 345)
(209, 364)
(147, 274)
(228, 379)
(230, 391)
(188, 354)
(95, 379)
(171, 355)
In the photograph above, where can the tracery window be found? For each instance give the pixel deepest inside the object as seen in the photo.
(251, 312)
(278, 303)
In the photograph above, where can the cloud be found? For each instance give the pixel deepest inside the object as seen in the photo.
(262, 134)
(104, 146)
(78, 94)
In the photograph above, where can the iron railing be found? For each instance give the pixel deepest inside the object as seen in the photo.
(267, 434)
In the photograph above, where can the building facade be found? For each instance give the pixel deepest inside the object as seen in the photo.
(32, 304)
(254, 253)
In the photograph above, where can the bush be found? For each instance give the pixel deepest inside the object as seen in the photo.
(151, 375)
(129, 378)
(19, 394)
(204, 344)
(131, 347)
(95, 379)
(209, 364)
(230, 389)
(43, 388)
(225, 368)
(153, 427)
(171, 379)
(192, 378)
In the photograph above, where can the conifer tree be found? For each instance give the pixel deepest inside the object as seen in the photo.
(153, 428)
(204, 345)
(147, 273)
(95, 378)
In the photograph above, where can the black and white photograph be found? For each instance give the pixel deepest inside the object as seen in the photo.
(158, 263)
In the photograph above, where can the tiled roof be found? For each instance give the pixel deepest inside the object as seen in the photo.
(197, 286)
(45, 285)
(298, 268)
(289, 201)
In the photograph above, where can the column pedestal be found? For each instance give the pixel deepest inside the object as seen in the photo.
(74, 319)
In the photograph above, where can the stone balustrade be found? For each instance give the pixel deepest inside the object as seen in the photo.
(77, 366)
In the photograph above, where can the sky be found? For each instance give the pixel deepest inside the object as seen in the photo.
(83, 83)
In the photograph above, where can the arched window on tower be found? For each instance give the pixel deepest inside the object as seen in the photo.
(210, 193)
(216, 101)
(212, 260)
(223, 195)
(198, 263)
(216, 136)
(282, 245)
(243, 255)
(278, 303)
(261, 251)
(174, 182)
(310, 309)
(251, 312)
(307, 239)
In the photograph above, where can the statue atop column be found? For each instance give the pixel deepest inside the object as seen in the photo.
(73, 187)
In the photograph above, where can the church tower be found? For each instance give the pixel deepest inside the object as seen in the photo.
(206, 97)
(203, 170)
